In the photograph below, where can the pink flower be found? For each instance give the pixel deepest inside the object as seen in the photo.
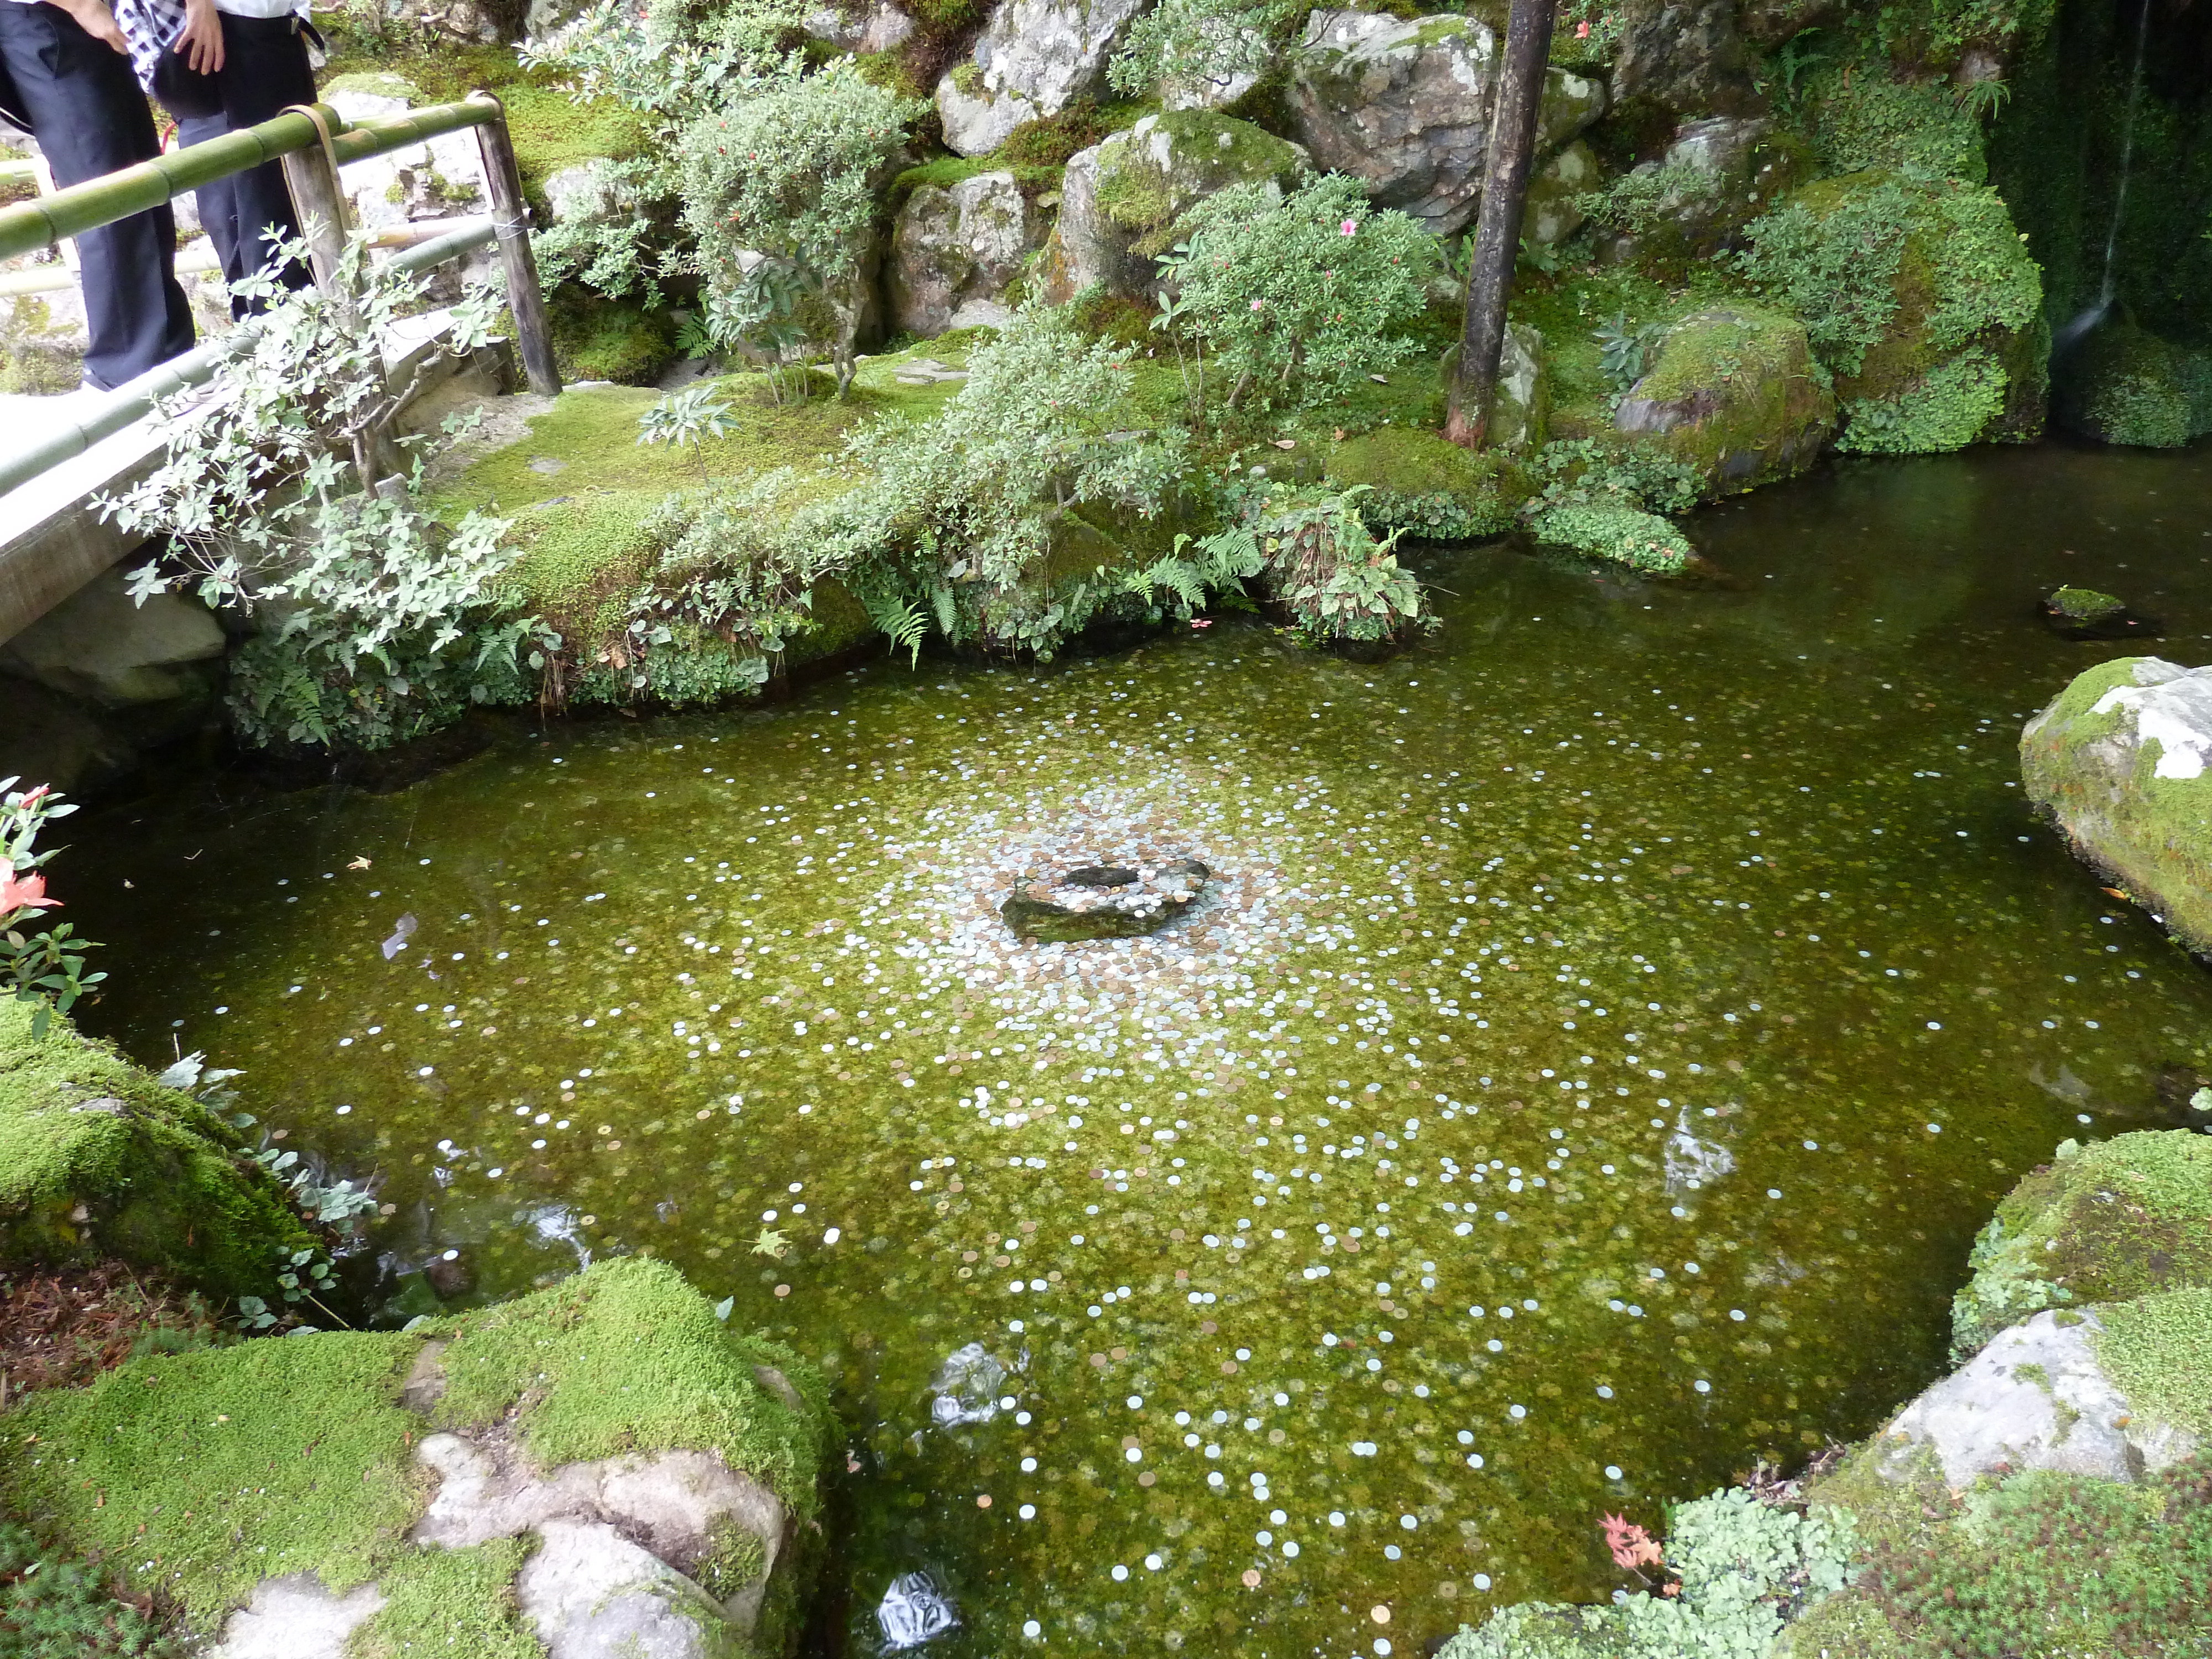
(1201, 621)
(27, 893)
(1258, 304)
(1581, 31)
(1348, 228)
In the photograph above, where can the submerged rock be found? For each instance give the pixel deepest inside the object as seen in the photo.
(967, 1387)
(1405, 107)
(1104, 901)
(914, 1609)
(2084, 613)
(2118, 760)
(2084, 605)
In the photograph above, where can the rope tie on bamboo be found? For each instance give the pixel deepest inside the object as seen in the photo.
(313, 112)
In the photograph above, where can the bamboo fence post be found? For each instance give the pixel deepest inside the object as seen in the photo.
(319, 201)
(510, 214)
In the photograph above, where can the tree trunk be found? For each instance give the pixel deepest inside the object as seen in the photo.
(1498, 226)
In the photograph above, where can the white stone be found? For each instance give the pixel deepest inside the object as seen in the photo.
(1034, 59)
(953, 250)
(437, 178)
(296, 1617)
(2173, 705)
(591, 1594)
(2035, 1398)
(881, 27)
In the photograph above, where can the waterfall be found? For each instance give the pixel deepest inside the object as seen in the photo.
(2088, 319)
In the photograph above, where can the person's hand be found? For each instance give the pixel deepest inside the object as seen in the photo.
(200, 44)
(96, 20)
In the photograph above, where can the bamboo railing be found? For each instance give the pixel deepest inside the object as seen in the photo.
(29, 227)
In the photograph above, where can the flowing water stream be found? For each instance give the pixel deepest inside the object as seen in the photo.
(1613, 1021)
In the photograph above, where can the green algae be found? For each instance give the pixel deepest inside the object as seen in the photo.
(1443, 833)
(98, 1161)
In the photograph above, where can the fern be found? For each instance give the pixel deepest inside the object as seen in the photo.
(905, 622)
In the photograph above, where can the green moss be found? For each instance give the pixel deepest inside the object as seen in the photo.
(2159, 1350)
(1952, 405)
(629, 1358)
(1754, 406)
(442, 1601)
(218, 1468)
(1421, 483)
(98, 1161)
(944, 172)
(598, 338)
(197, 1475)
(2123, 385)
(2084, 605)
(1049, 143)
(1863, 116)
(736, 1559)
(55, 1606)
(2117, 1220)
(1624, 535)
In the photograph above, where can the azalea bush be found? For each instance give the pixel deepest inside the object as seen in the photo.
(1299, 298)
(41, 964)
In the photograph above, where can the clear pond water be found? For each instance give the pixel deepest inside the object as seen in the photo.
(1613, 1020)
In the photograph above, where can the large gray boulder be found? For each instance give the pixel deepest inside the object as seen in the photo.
(1687, 55)
(1120, 198)
(955, 251)
(2038, 1397)
(1719, 172)
(1405, 105)
(1733, 391)
(1034, 59)
(867, 29)
(2118, 760)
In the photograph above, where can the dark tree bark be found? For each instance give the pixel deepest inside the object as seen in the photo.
(1498, 226)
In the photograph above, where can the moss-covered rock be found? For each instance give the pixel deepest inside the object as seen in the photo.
(2123, 385)
(2118, 760)
(2118, 1219)
(2084, 605)
(1418, 481)
(99, 1162)
(1733, 392)
(1919, 299)
(1120, 199)
(610, 1419)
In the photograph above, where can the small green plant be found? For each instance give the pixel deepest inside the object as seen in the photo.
(686, 418)
(1624, 353)
(1983, 99)
(43, 966)
(1797, 55)
(301, 1276)
(1209, 43)
(761, 319)
(327, 1203)
(1341, 584)
(52, 1606)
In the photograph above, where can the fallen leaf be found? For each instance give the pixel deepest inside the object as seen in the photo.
(1380, 379)
(1286, 443)
(1339, 435)
(358, 864)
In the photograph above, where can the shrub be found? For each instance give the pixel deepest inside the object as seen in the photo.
(1340, 585)
(793, 173)
(380, 617)
(1300, 297)
(1201, 43)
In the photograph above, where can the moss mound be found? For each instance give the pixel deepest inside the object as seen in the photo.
(2123, 385)
(1419, 482)
(2116, 1219)
(1733, 392)
(1920, 300)
(100, 1162)
(2159, 1350)
(197, 1475)
(2084, 605)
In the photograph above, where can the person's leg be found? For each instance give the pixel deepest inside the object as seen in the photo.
(265, 70)
(90, 117)
(218, 202)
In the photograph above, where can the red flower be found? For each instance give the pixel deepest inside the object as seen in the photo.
(24, 893)
(1631, 1544)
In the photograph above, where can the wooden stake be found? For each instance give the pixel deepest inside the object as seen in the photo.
(511, 217)
(1498, 225)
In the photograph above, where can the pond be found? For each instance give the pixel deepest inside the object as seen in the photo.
(1610, 1022)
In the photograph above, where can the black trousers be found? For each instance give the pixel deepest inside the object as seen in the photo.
(90, 117)
(264, 67)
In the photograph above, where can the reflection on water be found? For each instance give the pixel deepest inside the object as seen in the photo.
(1610, 1023)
